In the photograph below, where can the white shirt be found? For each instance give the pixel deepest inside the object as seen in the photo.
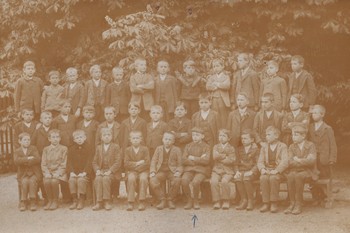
(136, 150)
(318, 125)
(96, 82)
(27, 124)
(247, 148)
(273, 146)
(105, 147)
(301, 145)
(268, 114)
(204, 115)
(244, 71)
(162, 77)
(154, 124)
(242, 111)
(296, 113)
(133, 120)
(25, 150)
(64, 117)
(110, 125)
(298, 74)
(86, 123)
(72, 85)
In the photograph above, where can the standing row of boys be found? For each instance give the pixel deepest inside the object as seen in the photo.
(214, 144)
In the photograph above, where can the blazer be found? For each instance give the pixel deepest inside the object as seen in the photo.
(248, 83)
(54, 161)
(118, 96)
(258, 125)
(325, 143)
(278, 87)
(115, 133)
(131, 158)
(174, 162)
(51, 98)
(224, 159)
(247, 161)
(20, 127)
(155, 135)
(75, 95)
(302, 117)
(28, 94)
(213, 120)
(181, 126)
(170, 88)
(307, 156)
(127, 126)
(92, 98)
(305, 86)
(201, 163)
(66, 128)
(41, 139)
(90, 131)
(113, 155)
(145, 94)
(223, 82)
(236, 124)
(80, 159)
(281, 157)
(25, 166)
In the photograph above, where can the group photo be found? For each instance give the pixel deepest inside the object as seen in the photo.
(180, 116)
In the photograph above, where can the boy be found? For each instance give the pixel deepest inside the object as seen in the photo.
(240, 119)
(301, 82)
(27, 160)
(207, 120)
(118, 94)
(181, 126)
(51, 97)
(165, 92)
(166, 164)
(245, 79)
(218, 85)
(53, 166)
(302, 166)
(136, 164)
(155, 129)
(110, 114)
(79, 168)
(107, 167)
(195, 160)
(266, 117)
(28, 90)
(322, 136)
(224, 158)
(141, 87)
(133, 123)
(95, 91)
(40, 136)
(27, 125)
(89, 125)
(272, 162)
(247, 171)
(74, 91)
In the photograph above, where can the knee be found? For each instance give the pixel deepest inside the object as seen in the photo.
(214, 182)
(196, 183)
(274, 178)
(143, 179)
(185, 182)
(154, 182)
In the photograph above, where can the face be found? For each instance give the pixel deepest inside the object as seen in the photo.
(218, 67)
(296, 65)
(141, 66)
(246, 139)
(197, 137)
(133, 111)
(189, 70)
(96, 73)
(242, 101)
(180, 111)
(54, 79)
(223, 138)
(168, 140)
(294, 104)
(266, 103)
(29, 70)
(297, 137)
(65, 109)
(135, 139)
(25, 142)
(204, 104)
(106, 137)
(79, 138)
(118, 75)
(242, 62)
(28, 116)
(317, 115)
(109, 115)
(72, 76)
(271, 69)
(271, 137)
(155, 115)
(163, 67)
(54, 139)
(46, 119)
(88, 115)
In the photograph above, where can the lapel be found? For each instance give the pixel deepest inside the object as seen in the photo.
(321, 131)
(247, 74)
(302, 80)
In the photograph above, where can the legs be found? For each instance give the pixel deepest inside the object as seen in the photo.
(269, 185)
(142, 180)
(103, 191)
(77, 187)
(196, 179)
(296, 181)
(52, 190)
(29, 186)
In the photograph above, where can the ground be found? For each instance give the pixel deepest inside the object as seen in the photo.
(313, 219)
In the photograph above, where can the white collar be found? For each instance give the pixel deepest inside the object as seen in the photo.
(65, 118)
(244, 71)
(204, 114)
(273, 146)
(162, 77)
(301, 145)
(268, 114)
(242, 111)
(318, 125)
(296, 113)
(297, 74)
(97, 82)
(72, 85)
(154, 124)
(27, 124)
(46, 128)
(136, 150)
(87, 123)
(106, 146)
(247, 148)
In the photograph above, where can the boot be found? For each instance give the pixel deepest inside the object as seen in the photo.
(242, 205)
(265, 208)
(22, 206)
(107, 204)
(226, 205)
(188, 204)
(54, 204)
(80, 205)
(250, 205)
(297, 209)
(48, 204)
(33, 204)
(161, 205)
(171, 205)
(141, 206)
(196, 205)
(98, 206)
(130, 206)
(290, 208)
(74, 204)
(274, 208)
(216, 205)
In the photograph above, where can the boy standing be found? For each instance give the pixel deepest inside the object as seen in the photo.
(110, 114)
(89, 125)
(27, 125)
(51, 97)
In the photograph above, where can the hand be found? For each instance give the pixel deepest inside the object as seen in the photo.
(140, 162)
(233, 106)
(183, 134)
(38, 126)
(263, 171)
(256, 108)
(152, 174)
(296, 159)
(263, 144)
(203, 156)
(237, 175)
(191, 157)
(47, 175)
(72, 174)
(139, 86)
(98, 173)
(77, 113)
(30, 157)
(56, 176)
(273, 172)
(331, 162)
(248, 173)
(107, 173)
(83, 174)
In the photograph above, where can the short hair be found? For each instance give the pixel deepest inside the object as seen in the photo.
(106, 130)
(204, 95)
(225, 131)
(170, 133)
(269, 95)
(54, 131)
(189, 62)
(47, 113)
(156, 107)
(117, 68)
(94, 67)
(134, 104)
(64, 102)
(180, 104)
(28, 63)
(54, 73)
(299, 97)
(245, 94)
(249, 132)
(110, 108)
(135, 132)
(24, 110)
(273, 63)
(298, 58)
(273, 129)
(78, 132)
(22, 135)
(320, 107)
(89, 108)
(137, 60)
(71, 70)
(219, 60)
(163, 60)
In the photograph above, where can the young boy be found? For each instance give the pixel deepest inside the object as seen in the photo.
(322, 136)
(207, 120)
(302, 166)
(53, 166)
(195, 160)
(166, 164)
(136, 164)
(240, 119)
(247, 171)
(245, 79)
(51, 97)
(165, 90)
(266, 117)
(79, 168)
(89, 125)
(40, 136)
(95, 91)
(27, 160)
(155, 129)
(218, 86)
(181, 126)
(27, 125)
(74, 91)
(28, 90)
(301, 82)
(107, 167)
(141, 87)
(133, 123)
(118, 94)
(275, 85)
(272, 162)
(110, 115)
(224, 158)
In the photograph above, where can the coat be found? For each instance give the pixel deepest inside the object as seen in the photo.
(66, 128)
(174, 162)
(25, 166)
(155, 135)
(41, 139)
(92, 98)
(213, 120)
(181, 126)
(223, 85)
(80, 159)
(306, 87)
(20, 127)
(131, 158)
(170, 88)
(51, 98)
(201, 163)
(302, 117)
(127, 126)
(118, 96)
(278, 87)
(258, 125)
(281, 157)
(28, 94)
(113, 154)
(224, 159)
(247, 161)
(146, 93)
(75, 95)
(54, 161)
(116, 136)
